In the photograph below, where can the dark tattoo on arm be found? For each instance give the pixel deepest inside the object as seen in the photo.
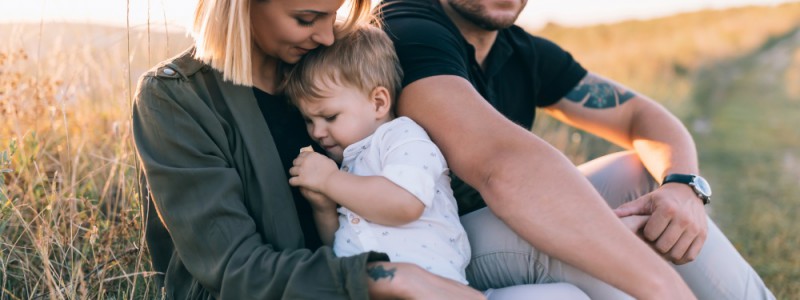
(594, 92)
(378, 272)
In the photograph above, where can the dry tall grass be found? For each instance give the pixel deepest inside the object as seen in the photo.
(70, 221)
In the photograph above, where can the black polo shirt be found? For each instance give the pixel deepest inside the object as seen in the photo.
(521, 71)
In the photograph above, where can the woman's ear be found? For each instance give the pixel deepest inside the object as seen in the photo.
(382, 101)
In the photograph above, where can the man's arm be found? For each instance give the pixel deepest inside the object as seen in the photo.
(677, 227)
(521, 178)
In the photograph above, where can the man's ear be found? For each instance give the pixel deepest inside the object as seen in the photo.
(382, 101)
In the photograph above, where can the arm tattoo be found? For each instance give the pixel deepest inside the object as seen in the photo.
(596, 93)
(378, 272)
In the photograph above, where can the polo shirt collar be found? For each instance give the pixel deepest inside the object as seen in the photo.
(498, 56)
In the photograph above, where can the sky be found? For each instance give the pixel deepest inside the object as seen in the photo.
(178, 12)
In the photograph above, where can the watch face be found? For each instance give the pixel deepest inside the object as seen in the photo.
(702, 186)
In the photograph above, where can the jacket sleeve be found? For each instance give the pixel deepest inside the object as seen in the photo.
(199, 198)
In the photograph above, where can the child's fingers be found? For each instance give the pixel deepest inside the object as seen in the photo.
(300, 158)
(294, 171)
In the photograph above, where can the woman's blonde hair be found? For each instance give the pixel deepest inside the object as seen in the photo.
(222, 35)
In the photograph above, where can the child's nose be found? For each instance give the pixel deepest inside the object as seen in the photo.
(318, 132)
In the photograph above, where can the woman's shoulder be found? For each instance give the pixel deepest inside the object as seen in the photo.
(181, 66)
(168, 80)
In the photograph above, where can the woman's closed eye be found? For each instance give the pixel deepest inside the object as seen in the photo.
(306, 21)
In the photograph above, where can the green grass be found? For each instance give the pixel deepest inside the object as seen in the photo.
(737, 88)
(752, 155)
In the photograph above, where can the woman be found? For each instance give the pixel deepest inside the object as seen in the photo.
(215, 141)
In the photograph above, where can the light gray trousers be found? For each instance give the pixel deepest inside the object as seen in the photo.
(507, 267)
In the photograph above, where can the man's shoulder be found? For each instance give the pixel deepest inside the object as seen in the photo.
(390, 9)
(424, 15)
(530, 44)
(517, 33)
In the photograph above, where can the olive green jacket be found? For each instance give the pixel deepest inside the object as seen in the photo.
(228, 227)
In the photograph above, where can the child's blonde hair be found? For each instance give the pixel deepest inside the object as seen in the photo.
(222, 35)
(364, 59)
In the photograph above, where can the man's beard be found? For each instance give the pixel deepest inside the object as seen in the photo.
(476, 14)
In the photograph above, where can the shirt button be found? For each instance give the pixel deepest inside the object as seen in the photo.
(355, 221)
(168, 71)
(345, 168)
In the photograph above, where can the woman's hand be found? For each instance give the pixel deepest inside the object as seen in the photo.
(407, 281)
(311, 171)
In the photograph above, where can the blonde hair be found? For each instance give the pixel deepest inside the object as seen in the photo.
(222, 35)
(364, 59)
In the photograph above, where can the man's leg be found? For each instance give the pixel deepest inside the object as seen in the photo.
(501, 259)
(718, 272)
(544, 291)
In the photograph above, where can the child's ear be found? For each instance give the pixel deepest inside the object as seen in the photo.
(382, 101)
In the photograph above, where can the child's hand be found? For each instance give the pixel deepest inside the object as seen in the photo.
(311, 170)
(319, 202)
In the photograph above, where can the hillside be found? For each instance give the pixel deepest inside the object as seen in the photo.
(67, 50)
(662, 58)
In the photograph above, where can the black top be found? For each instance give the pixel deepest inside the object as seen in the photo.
(289, 134)
(521, 71)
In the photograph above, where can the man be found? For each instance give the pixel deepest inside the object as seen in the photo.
(470, 75)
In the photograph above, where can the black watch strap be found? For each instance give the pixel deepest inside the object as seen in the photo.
(680, 178)
(704, 193)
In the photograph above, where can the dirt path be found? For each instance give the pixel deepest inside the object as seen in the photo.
(746, 123)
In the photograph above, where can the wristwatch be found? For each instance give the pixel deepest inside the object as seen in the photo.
(698, 184)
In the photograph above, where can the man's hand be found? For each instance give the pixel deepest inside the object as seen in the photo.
(635, 223)
(677, 227)
(311, 171)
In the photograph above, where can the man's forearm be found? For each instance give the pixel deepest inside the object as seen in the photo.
(564, 216)
(662, 142)
(535, 190)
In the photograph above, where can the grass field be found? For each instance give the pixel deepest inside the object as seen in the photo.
(750, 146)
(741, 101)
(70, 223)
